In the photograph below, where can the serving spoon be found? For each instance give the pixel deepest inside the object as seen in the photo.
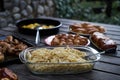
(37, 39)
(92, 56)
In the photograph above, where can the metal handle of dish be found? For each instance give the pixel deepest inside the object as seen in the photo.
(37, 39)
(93, 56)
(21, 56)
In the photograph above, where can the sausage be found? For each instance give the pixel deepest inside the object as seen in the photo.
(1, 57)
(11, 46)
(68, 39)
(7, 74)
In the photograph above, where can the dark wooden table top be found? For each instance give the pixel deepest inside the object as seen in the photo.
(108, 68)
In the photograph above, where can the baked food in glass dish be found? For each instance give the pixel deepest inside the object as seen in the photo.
(67, 39)
(59, 60)
(85, 28)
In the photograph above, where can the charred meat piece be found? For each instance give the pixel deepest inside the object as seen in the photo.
(86, 28)
(7, 74)
(1, 57)
(11, 46)
(68, 39)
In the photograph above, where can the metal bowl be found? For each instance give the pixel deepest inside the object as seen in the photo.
(48, 31)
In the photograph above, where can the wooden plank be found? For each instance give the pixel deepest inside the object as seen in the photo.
(113, 29)
(115, 36)
(99, 75)
(117, 54)
(107, 26)
(106, 67)
(118, 47)
(112, 33)
(5, 33)
(110, 59)
(117, 42)
(70, 21)
(24, 74)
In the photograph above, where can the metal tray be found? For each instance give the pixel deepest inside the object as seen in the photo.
(12, 59)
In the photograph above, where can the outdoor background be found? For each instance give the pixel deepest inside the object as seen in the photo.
(101, 11)
(90, 10)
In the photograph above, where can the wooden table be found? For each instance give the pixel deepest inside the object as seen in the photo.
(108, 68)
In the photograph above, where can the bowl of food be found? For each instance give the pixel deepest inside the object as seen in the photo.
(58, 60)
(29, 26)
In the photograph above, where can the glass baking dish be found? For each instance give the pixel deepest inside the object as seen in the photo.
(59, 67)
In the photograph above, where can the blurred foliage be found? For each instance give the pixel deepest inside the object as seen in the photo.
(85, 11)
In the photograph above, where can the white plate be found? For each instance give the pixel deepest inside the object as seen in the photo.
(49, 39)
